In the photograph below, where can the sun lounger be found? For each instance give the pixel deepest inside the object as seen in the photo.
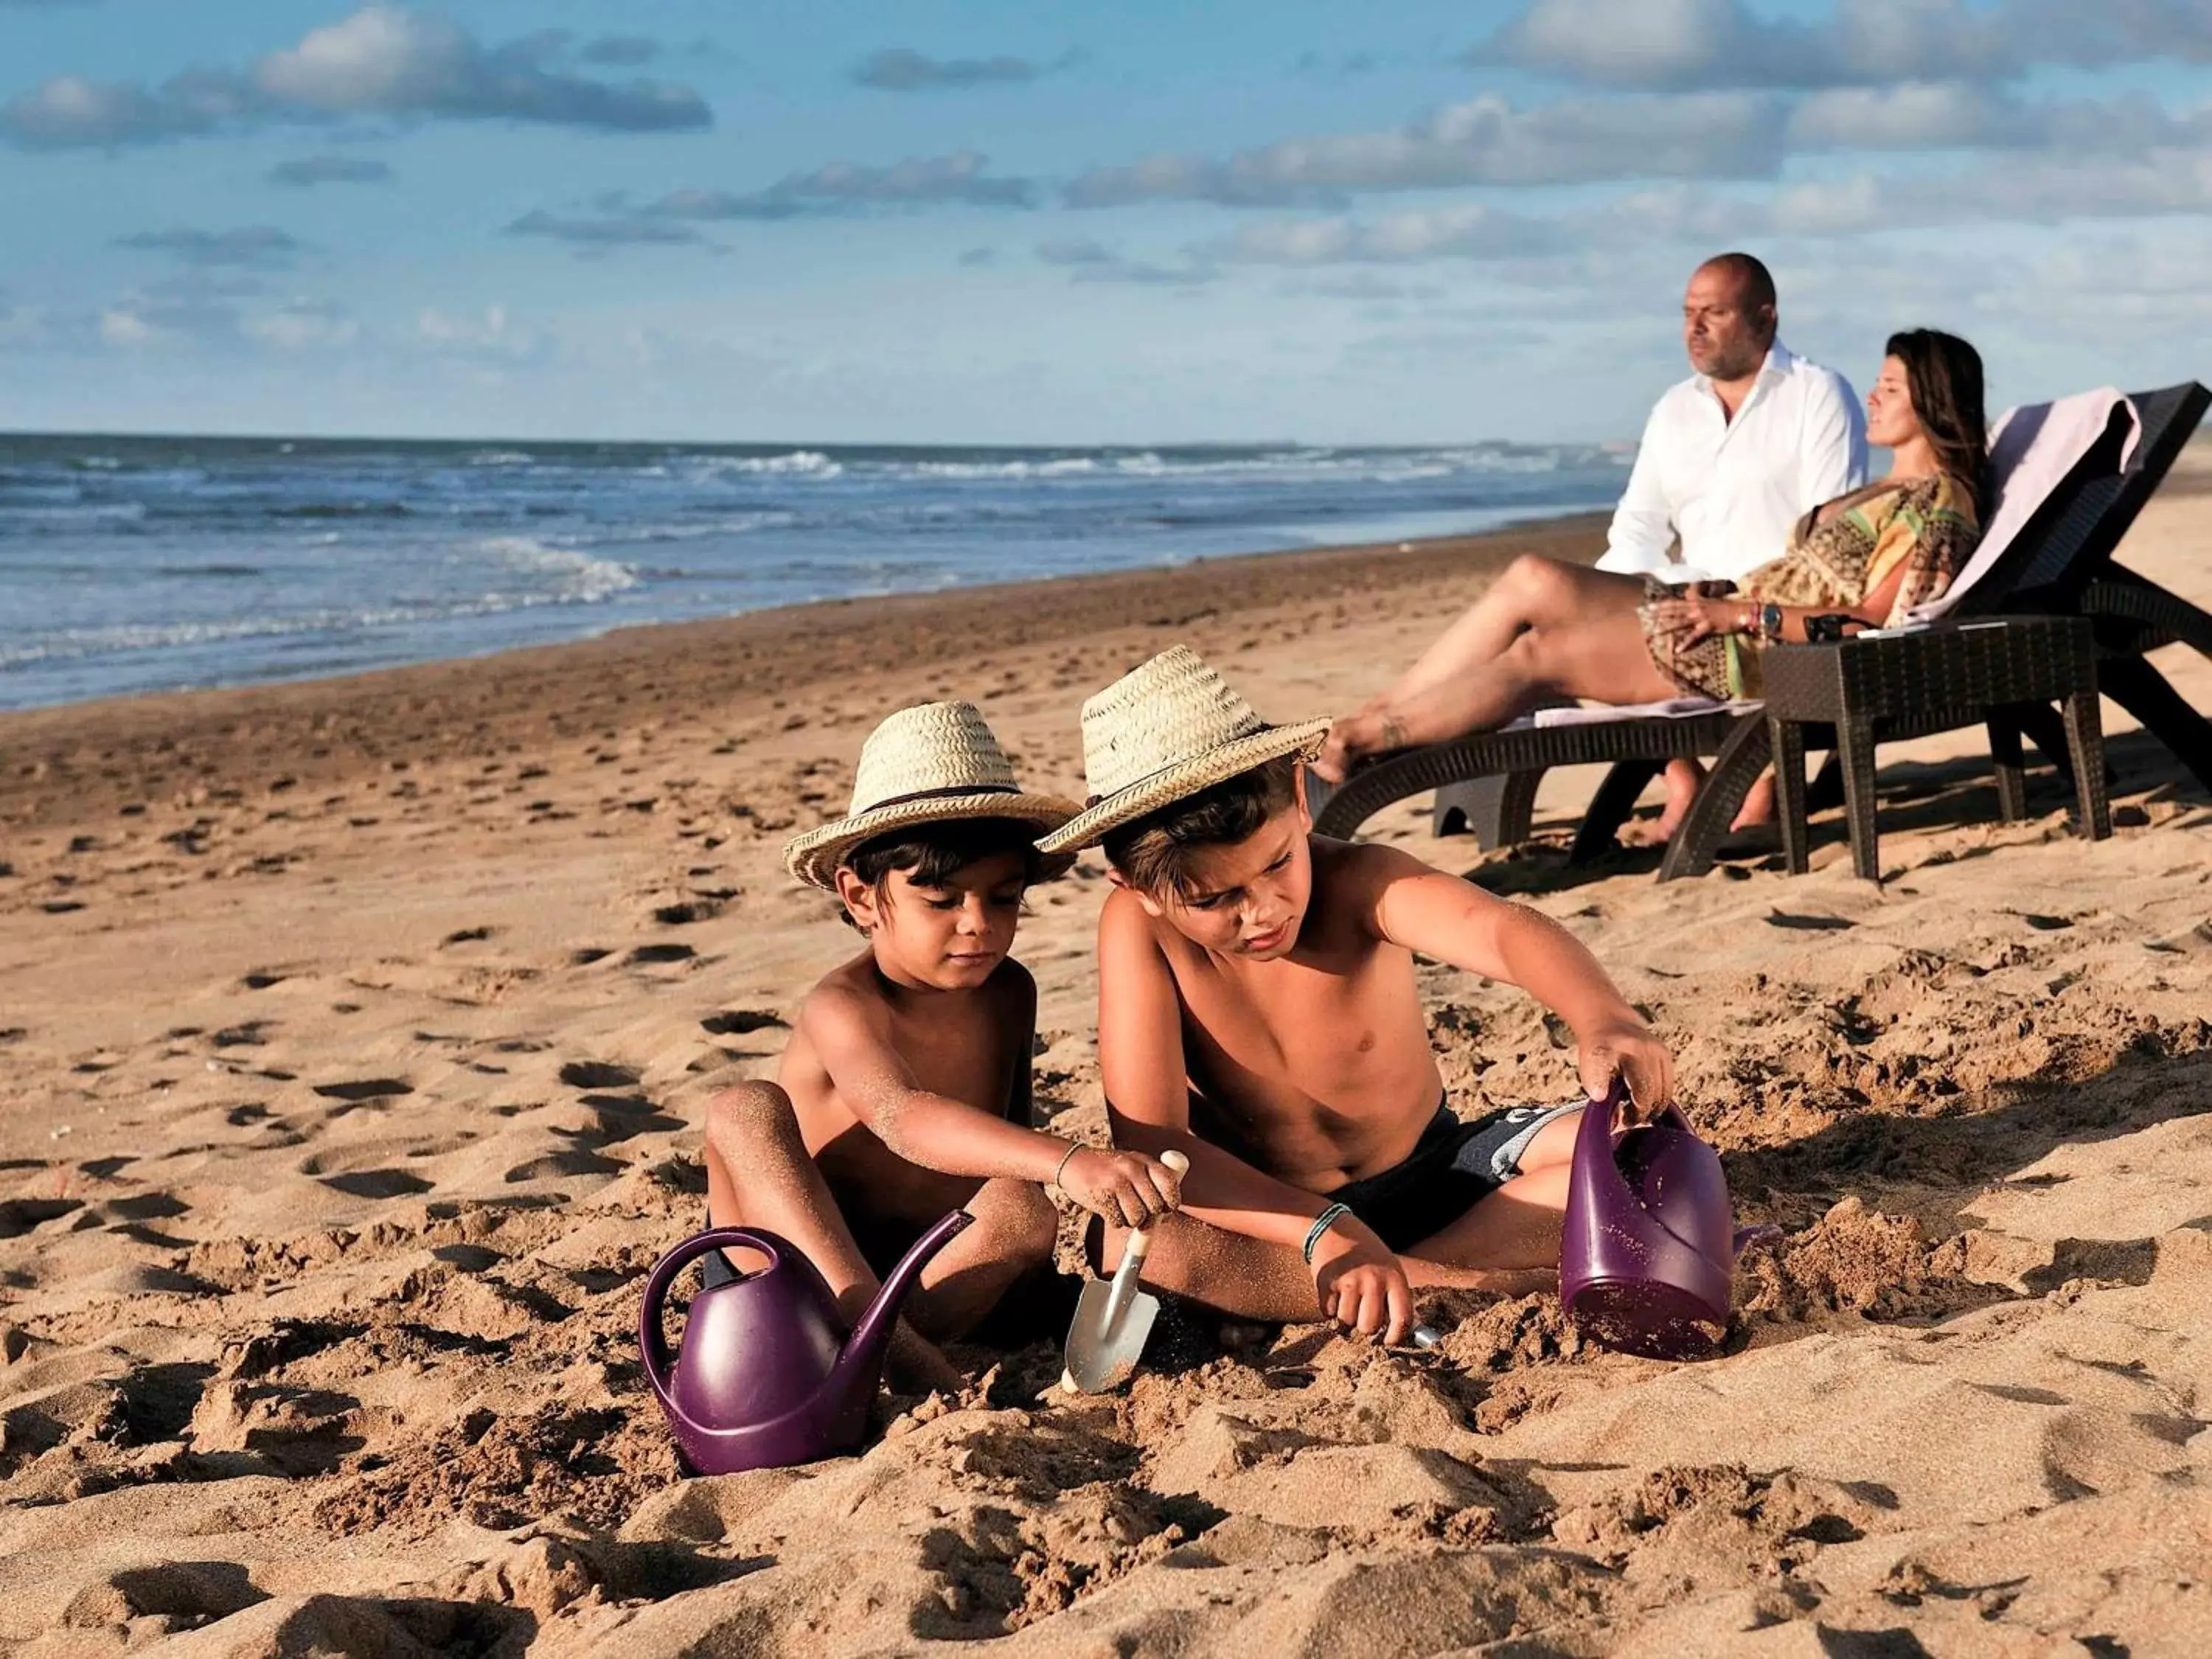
(2052, 558)
(2061, 564)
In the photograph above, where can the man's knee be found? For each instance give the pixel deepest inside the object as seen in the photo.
(1536, 577)
(1018, 1219)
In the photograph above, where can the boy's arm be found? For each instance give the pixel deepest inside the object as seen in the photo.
(1453, 920)
(1357, 1281)
(852, 1036)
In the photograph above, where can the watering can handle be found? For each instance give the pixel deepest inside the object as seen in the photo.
(652, 1341)
(1609, 1106)
(1593, 1155)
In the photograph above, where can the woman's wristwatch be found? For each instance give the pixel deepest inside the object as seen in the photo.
(1763, 620)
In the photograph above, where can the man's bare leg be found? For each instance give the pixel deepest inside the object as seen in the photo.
(752, 1127)
(1684, 778)
(1534, 594)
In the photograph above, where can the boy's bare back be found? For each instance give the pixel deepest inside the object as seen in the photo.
(972, 1047)
(1316, 1067)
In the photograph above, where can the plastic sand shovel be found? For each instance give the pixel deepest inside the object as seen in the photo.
(1113, 1319)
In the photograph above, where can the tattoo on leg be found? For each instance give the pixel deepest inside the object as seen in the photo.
(1394, 734)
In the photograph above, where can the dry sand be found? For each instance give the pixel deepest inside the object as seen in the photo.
(356, 1034)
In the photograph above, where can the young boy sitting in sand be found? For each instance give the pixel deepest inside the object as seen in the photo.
(904, 1091)
(1258, 1008)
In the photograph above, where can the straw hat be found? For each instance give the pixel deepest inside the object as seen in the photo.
(933, 763)
(1164, 730)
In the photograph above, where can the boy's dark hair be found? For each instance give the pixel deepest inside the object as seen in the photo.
(932, 854)
(1151, 851)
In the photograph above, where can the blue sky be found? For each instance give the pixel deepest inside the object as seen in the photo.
(1048, 222)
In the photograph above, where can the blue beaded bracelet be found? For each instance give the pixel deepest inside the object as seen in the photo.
(1322, 1223)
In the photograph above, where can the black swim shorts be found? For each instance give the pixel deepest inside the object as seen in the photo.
(1452, 1167)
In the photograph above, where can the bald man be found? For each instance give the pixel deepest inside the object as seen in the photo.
(1734, 455)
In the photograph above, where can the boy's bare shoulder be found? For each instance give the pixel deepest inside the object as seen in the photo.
(850, 990)
(1123, 916)
(1349, 876)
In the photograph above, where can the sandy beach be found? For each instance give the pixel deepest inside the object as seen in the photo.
(356, 1037)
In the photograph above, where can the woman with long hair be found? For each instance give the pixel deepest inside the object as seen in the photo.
(1548, 629)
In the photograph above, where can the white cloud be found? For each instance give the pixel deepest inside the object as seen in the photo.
(1472, 232)
(302, 325)
(310, 170)
(1484, 141)
(382, 60)
(961, 180)
(260, 247)
(1959, 115)
(1702, 43)
(901, 69)
(490, 335)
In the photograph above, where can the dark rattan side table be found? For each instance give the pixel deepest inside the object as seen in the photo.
(1855, 694)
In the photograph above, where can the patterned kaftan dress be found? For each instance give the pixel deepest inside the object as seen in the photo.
(1838, 554)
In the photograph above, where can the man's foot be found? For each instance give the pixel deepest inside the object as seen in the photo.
(1353, 739)
(1683, 779)
(1758, 804)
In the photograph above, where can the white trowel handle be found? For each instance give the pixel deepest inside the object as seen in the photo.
(1136, 1249)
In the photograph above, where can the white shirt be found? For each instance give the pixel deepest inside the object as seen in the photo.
(1732, 490)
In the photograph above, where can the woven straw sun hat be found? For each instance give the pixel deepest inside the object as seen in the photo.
(933, 763)
(1165, 731)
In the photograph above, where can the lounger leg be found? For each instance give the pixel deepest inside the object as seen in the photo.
(2043, 728)
(1741, 760)
(1787, 739)
(2085, 740)
(1854, 748)
(2006, 760)
(2144, 692)
(1496, 808)
(1610, 806)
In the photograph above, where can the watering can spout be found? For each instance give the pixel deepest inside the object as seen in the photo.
(861, 1366)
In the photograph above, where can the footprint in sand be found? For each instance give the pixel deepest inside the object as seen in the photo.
(740, 1021)
(377, 1184)
(373, 1088)
(690, 911)
(597, 1074)
(621, 1117)
(580, 1162)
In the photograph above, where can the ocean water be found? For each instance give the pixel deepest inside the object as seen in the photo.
(133, 565)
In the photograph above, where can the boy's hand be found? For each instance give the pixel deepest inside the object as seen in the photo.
(1125, 1189)
(1631, 1049)
(1362, 1286)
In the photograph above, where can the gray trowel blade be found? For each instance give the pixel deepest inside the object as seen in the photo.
(1104, 1344)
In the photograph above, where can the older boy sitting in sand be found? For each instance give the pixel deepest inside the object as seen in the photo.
(904, 1091)
(1258, 1008)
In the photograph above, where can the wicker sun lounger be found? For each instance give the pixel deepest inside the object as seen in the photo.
(2061, 565)
(2060, 561)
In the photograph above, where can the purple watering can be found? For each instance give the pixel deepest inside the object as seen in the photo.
(1648, 1250)
(767, 1376)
